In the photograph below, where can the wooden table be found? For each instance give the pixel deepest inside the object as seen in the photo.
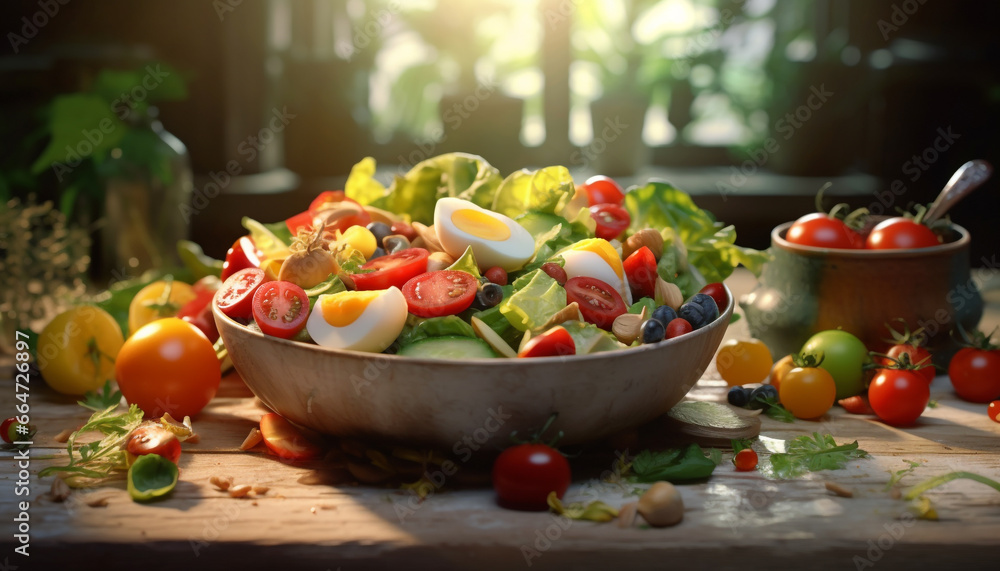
(735, 520)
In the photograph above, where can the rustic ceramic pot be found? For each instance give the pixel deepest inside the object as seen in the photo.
(449, 403)
(804, 290)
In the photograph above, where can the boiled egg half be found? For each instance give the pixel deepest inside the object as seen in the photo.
(496, 240)
(597, 258)
(358, 320)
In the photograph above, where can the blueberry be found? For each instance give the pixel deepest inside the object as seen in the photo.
(653, 330)
(761, 393)
(699, 311)
(488, 296)
(664, 314)
(380, 230)
(738, 396)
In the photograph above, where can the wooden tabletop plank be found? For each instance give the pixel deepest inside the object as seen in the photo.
(734, 520)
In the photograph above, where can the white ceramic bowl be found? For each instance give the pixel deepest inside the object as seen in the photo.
(448, 404)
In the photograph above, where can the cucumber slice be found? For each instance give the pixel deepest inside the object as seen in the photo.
(448, 347)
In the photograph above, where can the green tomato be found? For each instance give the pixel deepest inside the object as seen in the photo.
(844, 357)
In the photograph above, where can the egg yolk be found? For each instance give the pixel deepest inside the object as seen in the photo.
(606, 251)
(480, 225)
(344, 309)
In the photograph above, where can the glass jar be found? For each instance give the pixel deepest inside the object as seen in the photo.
(148, 184)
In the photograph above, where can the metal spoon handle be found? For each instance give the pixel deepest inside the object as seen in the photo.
(966, 179)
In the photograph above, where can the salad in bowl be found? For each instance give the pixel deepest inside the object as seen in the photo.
(454, 261)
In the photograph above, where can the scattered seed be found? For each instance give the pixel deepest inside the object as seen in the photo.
(63, 436)
(96, 502)
(260, 489)
(59, 491)
(252, 439)
(839, 490)
(221, 482)
(240, 491)
(312, 510)
(627, 514)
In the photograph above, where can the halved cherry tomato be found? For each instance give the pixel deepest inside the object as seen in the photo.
(154, 439)
(916, 355)
(392, 270)
(235, 299)
(603, 190)
(717, 292)
(599, 303)
(611, 220)
(282, 438)
(858, 404)
(243, 254)
(677, 327)
(898, 396)
(900, 233)
(280, 309)
(440, 293)
(640, 268)
(326, 198)
(525, 475)
(554, 342)
(821, 231)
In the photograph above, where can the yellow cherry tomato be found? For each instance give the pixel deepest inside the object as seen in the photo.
(742, 362)
(77, 350)
(361, 239)
(155, 302)
(781, 369)
(807, 392)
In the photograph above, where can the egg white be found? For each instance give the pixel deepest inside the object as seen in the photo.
(510, 254)
(373, 331)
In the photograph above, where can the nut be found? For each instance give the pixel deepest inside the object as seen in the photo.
(63, 436)
(569, 313)
(240, 491)
(428, 236)
(667, 293)
(627, 327)
(662, 505)
(221, 482)
(645, 237)
(439, 261)
(260, 489)
(252, 439)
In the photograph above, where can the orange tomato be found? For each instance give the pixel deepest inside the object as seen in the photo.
(743, 362)
(781, 369)
(168, 366)
(808, 392)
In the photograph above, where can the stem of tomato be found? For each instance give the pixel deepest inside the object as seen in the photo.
(163, 306)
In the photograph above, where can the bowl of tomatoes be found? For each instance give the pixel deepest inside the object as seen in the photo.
(460, 404)
(825, 275)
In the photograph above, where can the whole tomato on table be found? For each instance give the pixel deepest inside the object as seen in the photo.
(975, 369)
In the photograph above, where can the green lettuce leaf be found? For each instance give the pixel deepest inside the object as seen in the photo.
(672, 465)
(414, 194)
(450, 326)
(711, 246)
(537, 299)
(547, 190)
(467, 264)
(589, 338)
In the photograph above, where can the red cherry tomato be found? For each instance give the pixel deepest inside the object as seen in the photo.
(440, 293)
(326, 198)
(243, 254)
(901, 234)
(554, 342)
(556, 272)
(392, 270)
(993, 411)
(198, 311)
(497, 275)
(280, 309)
(286, 441)
(916, 355)
(821, 231)
(611, 220)
(640, 268)
(525, 475)
(603, 190)
(599, 303)
(677, 327)
(745, 460)
(300, 221)
(975, 374)
(717, 292)
(235, 299)
(8, 430)
(403, 229)
(154, 439)
(898, 396)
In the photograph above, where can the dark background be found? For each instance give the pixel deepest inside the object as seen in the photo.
(943, 74)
